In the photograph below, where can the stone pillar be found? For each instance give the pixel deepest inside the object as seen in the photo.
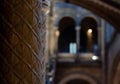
(57, 34)
(78, 38)
(103, 57)
(22, 42)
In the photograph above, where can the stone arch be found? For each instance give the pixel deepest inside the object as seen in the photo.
(57, 19)
(88, 40)
(79, 75)
(89, 22)
(67, 31)
(65, 21)
(77, 81)
(102, 9)
(89, 15)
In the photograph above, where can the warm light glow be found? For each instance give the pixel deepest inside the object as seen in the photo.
(94, 57)
(89, 31)
(57, 33)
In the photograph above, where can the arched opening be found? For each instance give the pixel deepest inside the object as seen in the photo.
(78, 81)
(88, 35)
(67, 34)
(78, 78)
(99, 10)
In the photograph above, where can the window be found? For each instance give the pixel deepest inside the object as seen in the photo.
(73, 48)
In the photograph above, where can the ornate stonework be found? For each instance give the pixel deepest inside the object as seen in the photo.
(22, 35)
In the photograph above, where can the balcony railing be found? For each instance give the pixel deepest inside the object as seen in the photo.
(82, 57)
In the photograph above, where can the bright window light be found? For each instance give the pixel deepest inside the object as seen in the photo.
(72, 48)
(94, 57)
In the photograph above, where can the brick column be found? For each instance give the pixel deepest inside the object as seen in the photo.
(22, 42)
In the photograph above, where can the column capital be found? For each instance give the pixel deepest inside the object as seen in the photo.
(46, 6)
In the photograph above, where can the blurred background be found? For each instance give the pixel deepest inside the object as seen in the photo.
(83, 42)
